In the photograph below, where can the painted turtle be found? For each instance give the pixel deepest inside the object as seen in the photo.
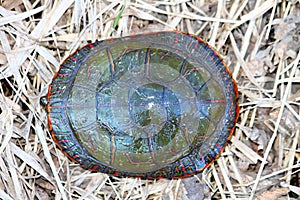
(151, 105)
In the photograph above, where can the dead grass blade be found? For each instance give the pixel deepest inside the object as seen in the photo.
(258, 40)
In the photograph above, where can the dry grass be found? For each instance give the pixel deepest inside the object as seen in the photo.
(259, 40)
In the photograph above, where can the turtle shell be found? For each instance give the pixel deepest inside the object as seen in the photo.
(151, 105)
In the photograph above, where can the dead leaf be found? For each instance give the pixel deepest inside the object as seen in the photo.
(273, 195)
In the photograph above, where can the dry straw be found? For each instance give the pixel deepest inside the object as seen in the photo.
(258, 39)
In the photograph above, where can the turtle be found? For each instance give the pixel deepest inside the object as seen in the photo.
(151, 105)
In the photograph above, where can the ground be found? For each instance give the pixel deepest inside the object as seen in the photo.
(259, 40)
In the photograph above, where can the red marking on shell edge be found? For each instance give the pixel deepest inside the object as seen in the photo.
(48, 108)
(75, 156)
(176, 40)
(208, 164)
(218, 146)
(235, 88)
(237, 111)
(90, 45)
(95, 167)
(115, 174)
(49, 122)
(54, 138)
(177, 170)
(218, 155)
(63, 75)
(49, 93)
(57, 91)
(183, 168)
(185, 175)
(73, 58)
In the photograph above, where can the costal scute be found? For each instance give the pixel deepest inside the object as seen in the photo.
(155, 105)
